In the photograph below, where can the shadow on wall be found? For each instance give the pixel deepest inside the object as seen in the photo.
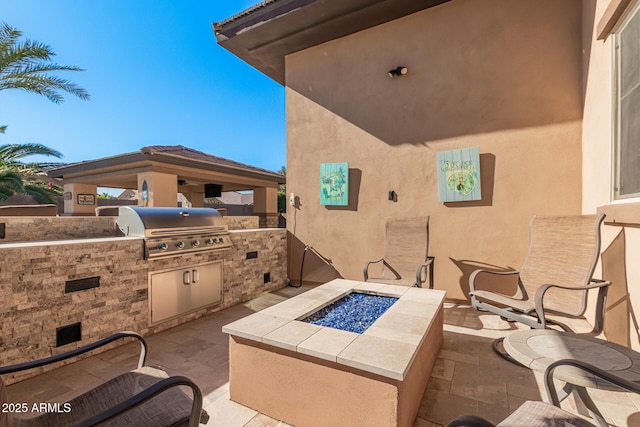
(519, 66)
(317, 268)
(619, 311)
(507, 285)
(355, 177)
(487, 171)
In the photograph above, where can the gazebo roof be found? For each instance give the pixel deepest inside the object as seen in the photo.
(192, 167)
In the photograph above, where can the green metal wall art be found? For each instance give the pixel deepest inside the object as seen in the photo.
(334, 184)
(459, 175)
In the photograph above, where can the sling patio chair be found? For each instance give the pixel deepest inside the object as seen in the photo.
(146, 396)
(405, 260)
(555, 277)
(540, 414)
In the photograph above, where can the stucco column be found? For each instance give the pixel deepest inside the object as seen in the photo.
(80, 199)
(265, 205)
(195, 195)
(161, 189)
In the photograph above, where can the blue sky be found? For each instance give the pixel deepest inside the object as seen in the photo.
(156, 77)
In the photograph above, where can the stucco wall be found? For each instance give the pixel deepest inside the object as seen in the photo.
(503, 75)
(621, 243)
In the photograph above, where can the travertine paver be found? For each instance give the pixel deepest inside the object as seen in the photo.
(467, 344)
(327, 344)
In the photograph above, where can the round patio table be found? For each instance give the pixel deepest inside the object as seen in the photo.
(538, 348)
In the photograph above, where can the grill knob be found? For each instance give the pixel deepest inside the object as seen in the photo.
(163, 246)
(179, 245)
(195, 243)
(209, 241)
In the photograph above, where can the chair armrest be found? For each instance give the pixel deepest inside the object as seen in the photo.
(423, 268)
(593, 370)
(470, 421)
(60, 357)
(593, 284)
(366, 268)
(149, 393)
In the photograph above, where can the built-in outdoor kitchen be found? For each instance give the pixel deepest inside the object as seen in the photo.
(68, 281)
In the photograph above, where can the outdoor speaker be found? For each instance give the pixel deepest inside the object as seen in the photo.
(212, 190)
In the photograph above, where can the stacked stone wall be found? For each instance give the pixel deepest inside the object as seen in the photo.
(35, 305)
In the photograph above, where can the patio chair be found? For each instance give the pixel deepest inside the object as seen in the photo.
(540, 414)
(146, 396)
(405, 260)
(555, 276)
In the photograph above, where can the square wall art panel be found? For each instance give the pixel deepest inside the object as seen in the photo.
(459, 175)
(334, 184)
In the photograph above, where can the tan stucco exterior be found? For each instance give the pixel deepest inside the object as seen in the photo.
(72, 194)
(621, 241)
(502, 75)
(529, 83)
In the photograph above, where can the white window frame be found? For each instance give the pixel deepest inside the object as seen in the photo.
(631, 12)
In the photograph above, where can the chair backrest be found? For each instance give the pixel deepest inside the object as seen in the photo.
(406, 244)
(563, 250)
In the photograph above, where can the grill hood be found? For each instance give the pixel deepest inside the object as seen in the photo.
(155, 221)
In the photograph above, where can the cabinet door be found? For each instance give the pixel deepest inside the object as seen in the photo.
(176, 292)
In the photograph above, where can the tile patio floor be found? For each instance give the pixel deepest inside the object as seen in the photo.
(468, 378)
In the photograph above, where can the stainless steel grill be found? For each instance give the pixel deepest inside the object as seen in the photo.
(174, 231)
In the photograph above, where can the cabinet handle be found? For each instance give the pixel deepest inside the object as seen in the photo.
(186, 277)
(196, 275)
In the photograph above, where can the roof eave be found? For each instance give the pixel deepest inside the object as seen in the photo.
(264, 35)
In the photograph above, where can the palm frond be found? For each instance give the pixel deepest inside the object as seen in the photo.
(25, 54)
(47, 86)
(5, 193)
(11, 180)
(42, 195)
(15, 152)
(8, 36)
(25, 65)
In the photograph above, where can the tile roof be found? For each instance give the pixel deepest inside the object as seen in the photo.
(245, 12)
(190, 153)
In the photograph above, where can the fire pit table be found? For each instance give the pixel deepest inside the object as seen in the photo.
(306, 374)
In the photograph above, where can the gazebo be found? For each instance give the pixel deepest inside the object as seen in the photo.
(159, 173)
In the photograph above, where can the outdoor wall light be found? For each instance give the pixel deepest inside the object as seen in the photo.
(398, 71)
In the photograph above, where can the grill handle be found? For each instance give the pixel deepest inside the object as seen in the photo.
(195, 275)
(186, 277)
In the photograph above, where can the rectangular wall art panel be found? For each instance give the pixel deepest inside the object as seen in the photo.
(334, 184)
(459, 175)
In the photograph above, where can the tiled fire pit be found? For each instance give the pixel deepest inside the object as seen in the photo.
(306, 374)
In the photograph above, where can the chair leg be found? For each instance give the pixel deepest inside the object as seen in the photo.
(498, 349)
(591, 407)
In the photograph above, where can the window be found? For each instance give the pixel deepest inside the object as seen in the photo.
(627, 107)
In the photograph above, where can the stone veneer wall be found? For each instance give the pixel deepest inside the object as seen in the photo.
(33, 228)
(30, 228)
(33, 275)
(242, 222)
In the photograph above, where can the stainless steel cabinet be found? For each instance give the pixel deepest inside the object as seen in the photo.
(179, 291)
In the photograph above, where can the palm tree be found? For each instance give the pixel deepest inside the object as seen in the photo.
(17, 176)
(26, 65)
